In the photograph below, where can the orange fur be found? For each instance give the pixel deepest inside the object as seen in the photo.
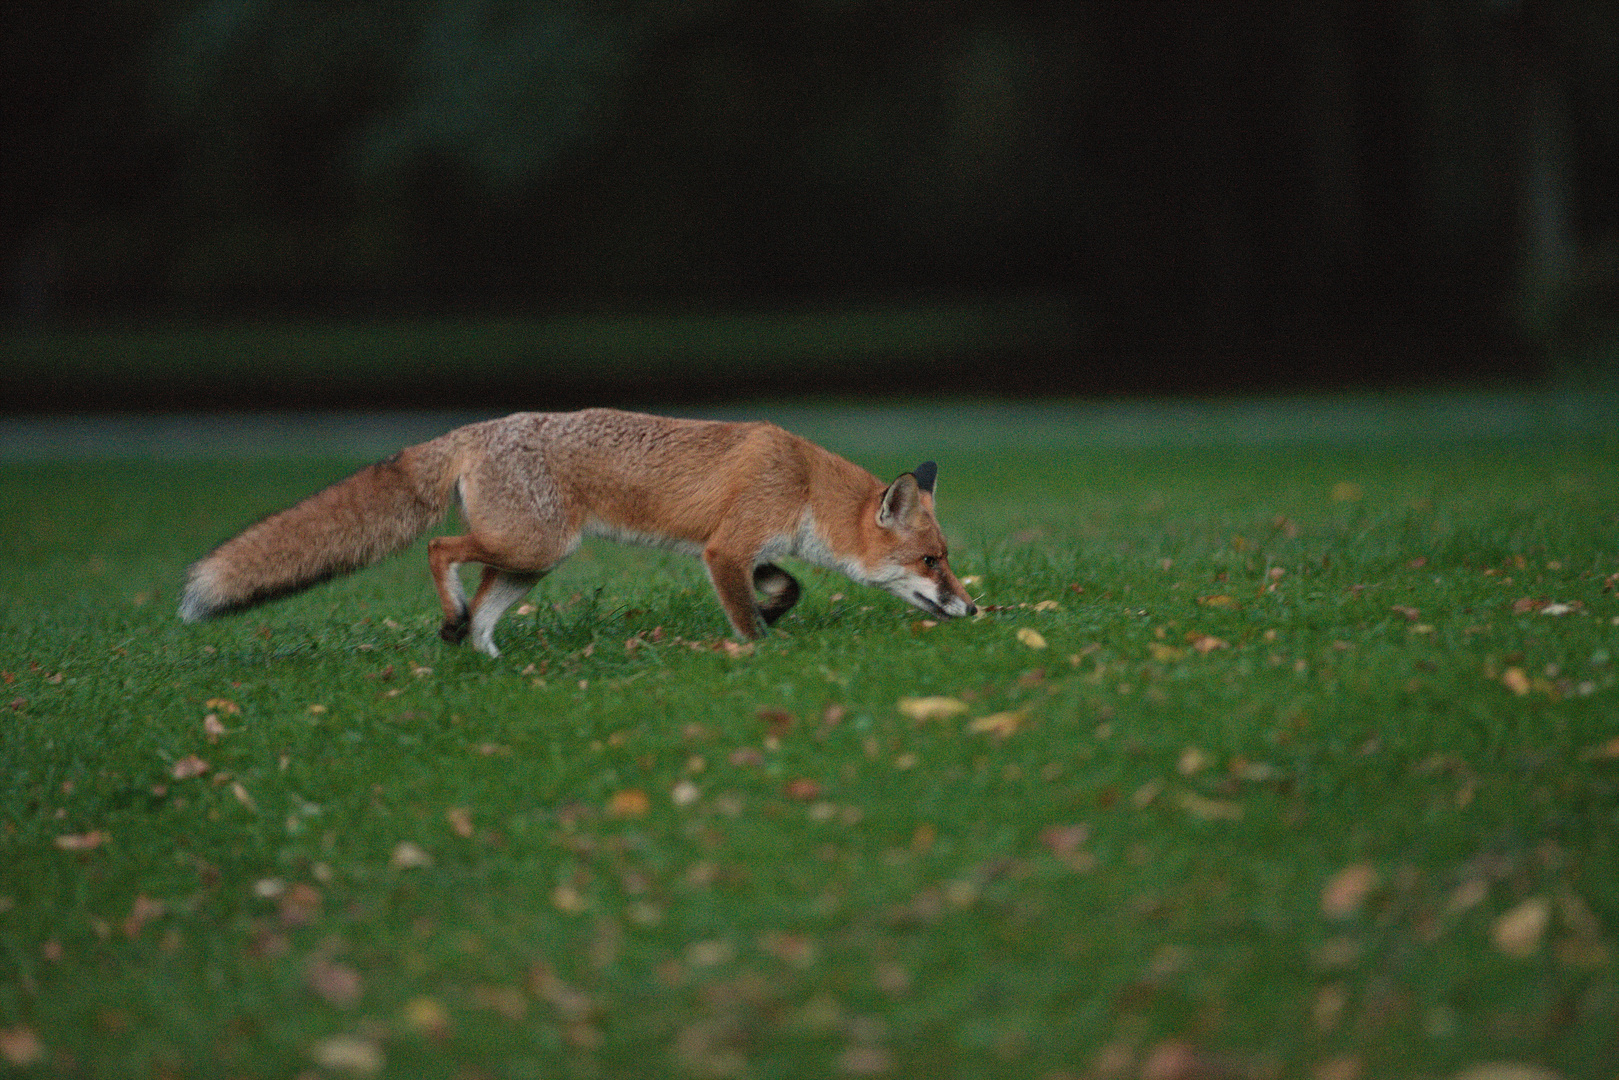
(531, 485)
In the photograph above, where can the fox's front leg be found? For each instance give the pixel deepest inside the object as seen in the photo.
(732, 576)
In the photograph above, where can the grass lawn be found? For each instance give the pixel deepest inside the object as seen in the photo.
(1263, 761)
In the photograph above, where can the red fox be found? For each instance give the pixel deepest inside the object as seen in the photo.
(531, 485)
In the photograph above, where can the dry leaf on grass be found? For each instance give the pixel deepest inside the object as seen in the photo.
(1607, 751)
(300, 904)
(1207, 643)
(426, 1016)
(1205, 809)
(631, 802)
(188, 766)
(82, 841)
(1506, 1070)
(1344, 894)
(999, 724)
(931, 708)
(1031, 637)
(408, 855)
(212, 728)
(460, 819)
(348, 1054)
(685, 793)
(1518, 932)
(802, 789)
(224, 705)
(1164, 654)
(339, 985)
(19, 1046)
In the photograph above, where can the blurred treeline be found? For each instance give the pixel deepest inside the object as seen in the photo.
(1288, 189)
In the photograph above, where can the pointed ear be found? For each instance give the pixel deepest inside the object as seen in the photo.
(900, 501)
(926, 474)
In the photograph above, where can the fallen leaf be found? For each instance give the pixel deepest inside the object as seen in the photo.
(1526, 604)
(300, 904)
(866, 1060)
(1347, 890)
(19, 1046)
(1518, 932)
(1000, 724)
(1506, 1070)
(709, 953)
(1220, 600)
(1346, 491)
(685, 793)
(1207, 643)
(631, 802)
(1062, 840)
(339, 985)
(224, 705)
(426, 1016)
(1047, 605)
(1031, 637)
(1192, 761)
(188, 766)
(567, 899)
(82, 841)
(348, 1053)
(803, 790)
(1164, 654)
(242, 796)
(1205, 809)
(143, 911)
(460, 819)
(213, 728)
(732, 649)
(1467, 896)
(931, 708)
(1608, 751)
(408, 855)
(1515, 680)
(1411, 614)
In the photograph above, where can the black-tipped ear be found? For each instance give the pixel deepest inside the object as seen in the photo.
(926, 475)
(900, 501)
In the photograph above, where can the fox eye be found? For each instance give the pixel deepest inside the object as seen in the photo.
(930, 561)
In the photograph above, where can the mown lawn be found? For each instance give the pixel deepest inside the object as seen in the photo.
(1261, 762)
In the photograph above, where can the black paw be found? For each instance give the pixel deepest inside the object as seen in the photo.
(455, 631)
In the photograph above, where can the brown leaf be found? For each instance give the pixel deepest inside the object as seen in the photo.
(300, 904)
(143, 911)
(1518, 932)
(1411, 614)
(188, 766)
(778, 721)
(631, 802)
(460, 819)
(339, 985)
(1062, 840)
(803, 789)
(1515, 680)
(1506, 1070)
(82, 841)
(1608, 751)
(1525, 605)
(1347, 890)
(224, 705)
(1192, 761)
(1220, 600)
(1164, 654)
(1207, 643)
(19, 1046)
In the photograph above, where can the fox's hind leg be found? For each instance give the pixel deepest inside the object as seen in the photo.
(779, 588)
(499, 590)
(444, 555)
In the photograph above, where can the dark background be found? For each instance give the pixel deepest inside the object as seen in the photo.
(1206, 197)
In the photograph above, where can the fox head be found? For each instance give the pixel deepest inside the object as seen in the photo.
(913, 561)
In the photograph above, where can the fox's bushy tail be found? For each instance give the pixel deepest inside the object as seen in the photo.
(358, 521)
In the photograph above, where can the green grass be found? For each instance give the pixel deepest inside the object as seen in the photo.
(1146, 867)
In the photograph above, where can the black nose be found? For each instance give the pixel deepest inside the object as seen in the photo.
(972, 608)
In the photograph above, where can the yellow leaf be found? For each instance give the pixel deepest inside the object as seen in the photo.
(1001, 723)
(1220, 600)
(1192, 761)
(224, 705)
(1047, 605)
(426, 1015)
(1031, 637)
(1515, 680)
(1164, 654)
(931, 708)
(1518, 932)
